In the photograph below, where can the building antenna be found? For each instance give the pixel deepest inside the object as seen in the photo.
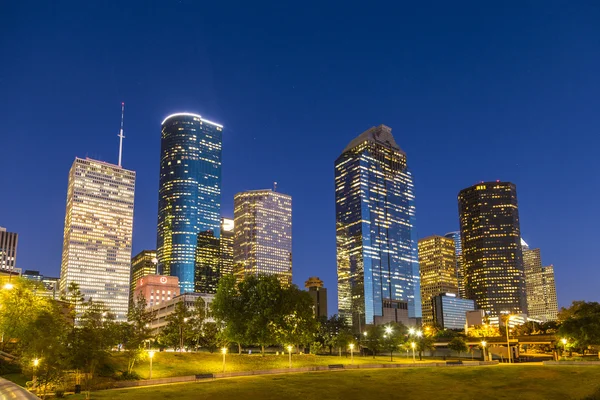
(274, 186)
(121, 133)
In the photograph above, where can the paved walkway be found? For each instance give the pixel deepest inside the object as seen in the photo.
(12, 391)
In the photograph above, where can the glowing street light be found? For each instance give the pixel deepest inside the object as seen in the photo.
(411, 331)
(483, 344)
(351, 353)
(8, 286)
(151, 356)
(224, 351)
(388, 330)
(413, 345)
(419, 333)
(289, 348)
(564, 342)
(36, 362)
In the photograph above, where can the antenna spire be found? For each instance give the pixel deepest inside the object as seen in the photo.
(274, 186)
(121, 133)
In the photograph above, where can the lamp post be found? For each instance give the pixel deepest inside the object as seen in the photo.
(564, 342)
(351, 353)
(483, 343)
(289, 348)
(508, 340)
(36, 362)
(413, 345)
(224, 351)
(151, 356)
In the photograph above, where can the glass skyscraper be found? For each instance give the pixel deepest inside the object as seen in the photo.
(189, 203)
(491, 241)
(377, 260)
(98, 233)
(460, 277)
(539, 284)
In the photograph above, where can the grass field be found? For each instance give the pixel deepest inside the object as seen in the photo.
(493, 382)
(180, 364)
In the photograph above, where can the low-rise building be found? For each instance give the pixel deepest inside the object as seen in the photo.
(157, 289)
(450, 311)
(166, 308)
(47, 284)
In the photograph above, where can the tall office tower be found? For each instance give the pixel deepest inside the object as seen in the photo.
(318, 294)
(377, 262)
(144, 263)
(262, 241)
(540, 288)
(459, 264)
(98, 230)
(226, 243)
(491, 243)
(189, 202)
(8, 250)
(437, 263)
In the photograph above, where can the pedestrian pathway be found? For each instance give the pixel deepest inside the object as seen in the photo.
(12, 391)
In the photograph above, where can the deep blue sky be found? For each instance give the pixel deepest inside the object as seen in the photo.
(472, 91)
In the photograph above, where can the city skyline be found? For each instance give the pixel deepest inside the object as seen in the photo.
(481, 106)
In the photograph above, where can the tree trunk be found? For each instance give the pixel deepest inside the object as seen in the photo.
(239, 348)
(262, 350)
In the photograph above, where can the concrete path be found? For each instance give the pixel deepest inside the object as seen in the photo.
(12, 391)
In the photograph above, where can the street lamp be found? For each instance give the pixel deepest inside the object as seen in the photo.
(388, 330)
(36, 362)
(8, 286)
(564, 342)
(224, 351)
(413, 345)
(290, 354)
(411, 331)
(508, 339)
(419, 333)
(151, 356)
(483, 344)
(351, 353)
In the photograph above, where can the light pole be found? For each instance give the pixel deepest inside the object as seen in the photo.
(508, 340)
(564, 342)
(36, 362)
(151, 356)
(483, 343)
(224, 351)
(289, 348)
(413, 345)
(351, 353)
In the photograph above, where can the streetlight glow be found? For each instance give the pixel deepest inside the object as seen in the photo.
(388, 330)
(411, 331)
(36, 362)
(564, 341)
(413, 345)
(419, 333)
(290, 347)
(365, 333)
(351, 353)
(9, 286)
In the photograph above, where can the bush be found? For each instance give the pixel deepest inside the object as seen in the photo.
(9, 368)
(106, 370)
(59, 393)
(126, 376)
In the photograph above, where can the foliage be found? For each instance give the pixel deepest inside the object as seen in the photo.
(137, 332)
(458, 345)
(334, 333)
(228, 310)
(483, 331)
(209, 338)
(580, 325)
(424, 343)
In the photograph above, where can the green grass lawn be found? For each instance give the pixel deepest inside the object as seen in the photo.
(180, 364)
(492, 382)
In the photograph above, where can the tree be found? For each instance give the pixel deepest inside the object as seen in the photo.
(295, 322)
(134, 334)
(424, 343)
(196, 321)
(580, 325)
(329, 331)
(228, 310)
(458, 344)
(210, 336)
(176, 331)
(393, 337)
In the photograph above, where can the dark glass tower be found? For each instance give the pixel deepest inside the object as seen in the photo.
(377, 260)
(491, 244)
(459, 264)
(189, 202)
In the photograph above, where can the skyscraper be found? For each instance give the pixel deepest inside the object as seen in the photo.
(437, 264)
(8, 250)
(98, 232)
(144, 263)
(189, 203)
(491, 241)
(262, 242)
(539, 282)
(459, 264)
(318, 293)
(226, 243)
(377, 261)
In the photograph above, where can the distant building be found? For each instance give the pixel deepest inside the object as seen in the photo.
(157, 289)
(144, 263)
(189, 200)
(437, 264)
(460, 278)
(541, 290)
(377, 261)
(318, 294)
(8, 249)
(98, 233)
(450, 311)
(167, 308)
(227, 237)
(491, 244)
(263, 234)
(48, 285)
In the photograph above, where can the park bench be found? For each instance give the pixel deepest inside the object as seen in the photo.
(457, 362)
(336, 366)
(204, 376)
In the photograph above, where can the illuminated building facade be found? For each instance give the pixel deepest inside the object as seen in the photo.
(157, 289)
(377, 262)
(437, 265)
(460, 278)
(542, 304)
(144, 263)
(226, 244)
(491, 243)
(450, 311)
(98, 231)
(8, 250)
(262, 243)
(318, 294)
(189, 203)
(45, 286)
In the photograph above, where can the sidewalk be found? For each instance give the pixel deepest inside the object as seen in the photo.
(9, 390)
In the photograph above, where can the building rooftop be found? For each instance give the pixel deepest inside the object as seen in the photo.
(381, 134)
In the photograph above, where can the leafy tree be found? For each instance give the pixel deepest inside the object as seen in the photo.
(458, 344)
(424, 343)
(176, 331)
(393, 336)
(210, 336)
(330, 330)
(580, 325)
(134, 334)
(374, 339)
(295, 322)
(228, 310)
(196, 321)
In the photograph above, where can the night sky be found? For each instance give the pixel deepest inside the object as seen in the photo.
(472, 92)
